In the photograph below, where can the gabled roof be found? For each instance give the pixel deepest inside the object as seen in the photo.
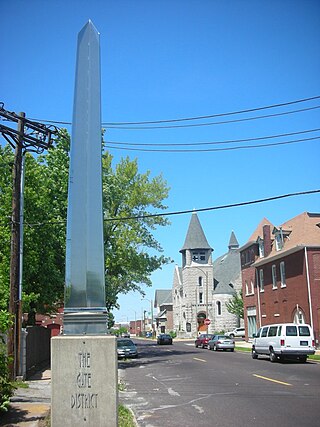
(226, 271)
(163, 297)
(259, 230)
(195, 238)
(301, 231)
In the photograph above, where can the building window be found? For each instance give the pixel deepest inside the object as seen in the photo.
(274, 277)
(195, 256)
(200, 281)
(247, 288)
(261, 280)
(200, 298)
(218, 304)
(252, 288)
(279, 241)
(299, 316)
(282, 275)
(261, 248)
(202, 256)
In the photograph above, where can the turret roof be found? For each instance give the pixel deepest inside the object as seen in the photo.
(195, 238)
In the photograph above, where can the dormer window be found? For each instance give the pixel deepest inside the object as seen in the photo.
(279, 241)
(261, 247)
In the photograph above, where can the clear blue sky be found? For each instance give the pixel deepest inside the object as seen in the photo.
(173, 59)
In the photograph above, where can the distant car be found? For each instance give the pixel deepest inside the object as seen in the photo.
(164, 339)
(126, 348)
(238, 332)
(149, 334)
(125, 335)
(202, 340)
(221, 342)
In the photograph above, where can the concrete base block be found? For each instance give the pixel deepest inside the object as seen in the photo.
(84, 381)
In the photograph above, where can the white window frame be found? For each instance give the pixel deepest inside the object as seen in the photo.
(261, 280)
(274, 276)
(200, 297)
(283, 274)
(247, 288)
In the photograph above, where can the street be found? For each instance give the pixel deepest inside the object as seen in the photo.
(178, 385)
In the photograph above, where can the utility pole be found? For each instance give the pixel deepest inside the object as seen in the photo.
(29, 136)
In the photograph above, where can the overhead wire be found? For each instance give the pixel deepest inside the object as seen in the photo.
(199, 150)
(228, 141)
(181, 212)
(283, 104)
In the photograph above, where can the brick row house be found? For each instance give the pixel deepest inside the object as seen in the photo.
(280, 268)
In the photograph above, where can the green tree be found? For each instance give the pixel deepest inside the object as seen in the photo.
(132, 253)
(235, 305)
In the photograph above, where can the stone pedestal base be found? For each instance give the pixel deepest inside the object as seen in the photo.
(84, 381)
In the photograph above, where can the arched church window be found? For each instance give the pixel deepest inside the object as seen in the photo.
(218, 305)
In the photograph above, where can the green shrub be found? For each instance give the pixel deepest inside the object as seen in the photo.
(6, 386)
(173, 334)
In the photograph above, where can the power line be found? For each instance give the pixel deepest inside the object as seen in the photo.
(219, 207)
(199, 150)
(215, 123)
(195, 117)
(232, 205)
(215, 142)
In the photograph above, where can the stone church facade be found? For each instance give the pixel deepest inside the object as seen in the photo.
(201, 287)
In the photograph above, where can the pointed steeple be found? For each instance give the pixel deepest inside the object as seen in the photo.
(233, 242)
(195, 238)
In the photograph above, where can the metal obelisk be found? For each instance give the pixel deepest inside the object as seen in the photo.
(85, 311)
(84, 370)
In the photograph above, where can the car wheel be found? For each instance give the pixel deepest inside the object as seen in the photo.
(231, 335)
(254, 354)
(272, 356)
(215, 348)
(231, 349)
(196, 346)
(302, 359)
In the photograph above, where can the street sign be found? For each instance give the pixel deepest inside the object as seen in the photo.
(207, 322)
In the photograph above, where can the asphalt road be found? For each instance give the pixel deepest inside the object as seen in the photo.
(180, 385)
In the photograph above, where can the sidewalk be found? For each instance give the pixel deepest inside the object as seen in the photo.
(30, 406)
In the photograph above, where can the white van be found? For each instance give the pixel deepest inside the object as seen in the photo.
(285, 340)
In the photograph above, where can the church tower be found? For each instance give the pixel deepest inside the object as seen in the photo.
(193, 282)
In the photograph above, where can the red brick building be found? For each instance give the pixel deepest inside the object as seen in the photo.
(281, 274)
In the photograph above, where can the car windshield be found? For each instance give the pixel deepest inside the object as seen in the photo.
(165, 336)
(125, 343)
(223, 337)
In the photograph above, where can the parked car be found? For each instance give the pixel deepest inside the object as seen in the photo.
(149, 334)
(126, 348)
(284, 340)
(164, 339)
(238, 332)
(202, 340)
(221, 342)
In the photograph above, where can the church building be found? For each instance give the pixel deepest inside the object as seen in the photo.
(202, 287)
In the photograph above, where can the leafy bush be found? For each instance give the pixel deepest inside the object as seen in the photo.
(173, 334)
(6, 386)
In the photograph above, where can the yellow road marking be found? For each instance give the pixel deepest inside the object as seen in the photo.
(201, 360)
(270, 379)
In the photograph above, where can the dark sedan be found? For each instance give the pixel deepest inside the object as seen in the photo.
(164, 339)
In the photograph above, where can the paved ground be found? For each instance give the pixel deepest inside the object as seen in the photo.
(30, 406)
